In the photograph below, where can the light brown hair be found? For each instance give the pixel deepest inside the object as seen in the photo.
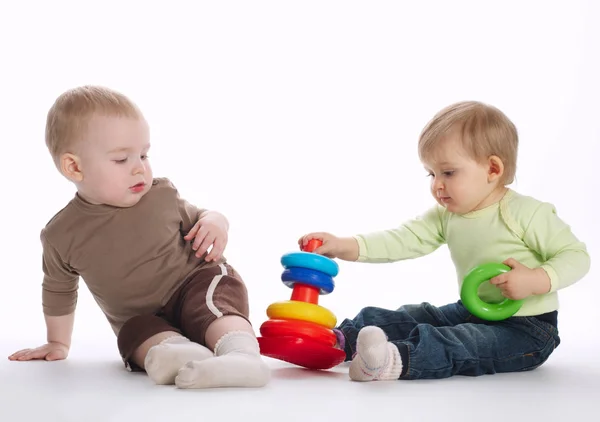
(67, 120)
(484, 131)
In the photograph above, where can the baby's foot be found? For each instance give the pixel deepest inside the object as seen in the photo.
(376, 358)
(224, 371)
(164, 360)
(238, 364)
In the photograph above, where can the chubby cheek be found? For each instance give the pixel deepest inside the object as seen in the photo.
(451, 190)
(148, 174)
(112, 174)
(457, 187)
(110, 180)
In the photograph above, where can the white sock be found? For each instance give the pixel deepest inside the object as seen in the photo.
(164, 360)
(238, 363)
(376, 358)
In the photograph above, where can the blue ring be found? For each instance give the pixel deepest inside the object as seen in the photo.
(321, 281)
(311, 261)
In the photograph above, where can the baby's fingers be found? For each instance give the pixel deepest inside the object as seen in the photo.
(311, 236)
(18, 354)
(326, 250)
(499, 279)
(192, 231)
(34, 354)
(217, 250)
(206, 243)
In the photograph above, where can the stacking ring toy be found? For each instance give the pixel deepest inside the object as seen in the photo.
(301, 329)
(479, 308)
(292, 309)
(312, 245)
(310, 277)
(302, 352)
(310, 261)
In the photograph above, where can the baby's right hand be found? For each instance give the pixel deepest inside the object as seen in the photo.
(345, 248)
(50, 351)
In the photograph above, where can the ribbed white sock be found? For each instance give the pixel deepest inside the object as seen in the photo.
(237, 363)
(376, 358)
(164, 360)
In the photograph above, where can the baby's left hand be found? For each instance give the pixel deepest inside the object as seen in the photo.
(521, 281)
(210, 229)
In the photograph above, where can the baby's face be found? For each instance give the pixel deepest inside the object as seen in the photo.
(114, 161)
(458, 182)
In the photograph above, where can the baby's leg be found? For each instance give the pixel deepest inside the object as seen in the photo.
(150, 343)
(470, 349)
(215, 313)
(398, 324)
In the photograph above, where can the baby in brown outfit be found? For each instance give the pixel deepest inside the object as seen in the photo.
(152, 261)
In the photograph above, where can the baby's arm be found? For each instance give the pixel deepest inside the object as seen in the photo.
(59, 297)
(413, 239)
(566, 259)
(59, 331)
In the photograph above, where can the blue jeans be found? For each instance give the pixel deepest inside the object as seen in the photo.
(439, 342)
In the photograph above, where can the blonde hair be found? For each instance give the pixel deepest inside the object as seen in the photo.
(68, 118)
(484, 131)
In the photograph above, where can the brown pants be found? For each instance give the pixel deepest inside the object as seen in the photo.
(208, 294)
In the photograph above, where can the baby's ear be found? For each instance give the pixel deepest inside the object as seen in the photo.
(70, 167)
(495, 168)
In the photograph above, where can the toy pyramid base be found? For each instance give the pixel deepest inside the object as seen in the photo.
(306, 353)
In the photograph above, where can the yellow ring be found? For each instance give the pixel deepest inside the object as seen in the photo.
(303, 311)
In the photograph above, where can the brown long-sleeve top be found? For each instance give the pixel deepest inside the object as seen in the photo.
(131, 259)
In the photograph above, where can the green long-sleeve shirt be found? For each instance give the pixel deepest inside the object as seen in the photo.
(518, 227)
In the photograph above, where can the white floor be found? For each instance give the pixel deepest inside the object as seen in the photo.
(97, 388)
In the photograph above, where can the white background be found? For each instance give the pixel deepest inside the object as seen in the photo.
(292, 117)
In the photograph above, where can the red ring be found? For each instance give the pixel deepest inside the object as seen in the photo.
(296, 328)
(301, 352)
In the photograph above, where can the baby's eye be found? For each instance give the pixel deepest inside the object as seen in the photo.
(448, 173)
(144, 156)
(123, 161)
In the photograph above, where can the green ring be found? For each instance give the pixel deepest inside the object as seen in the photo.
(479, 308)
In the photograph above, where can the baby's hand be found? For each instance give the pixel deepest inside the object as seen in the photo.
(521, 281)
(345, 248)
(210, 229)
(50, 351)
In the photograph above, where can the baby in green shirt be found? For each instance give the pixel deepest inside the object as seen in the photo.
(469, 150)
